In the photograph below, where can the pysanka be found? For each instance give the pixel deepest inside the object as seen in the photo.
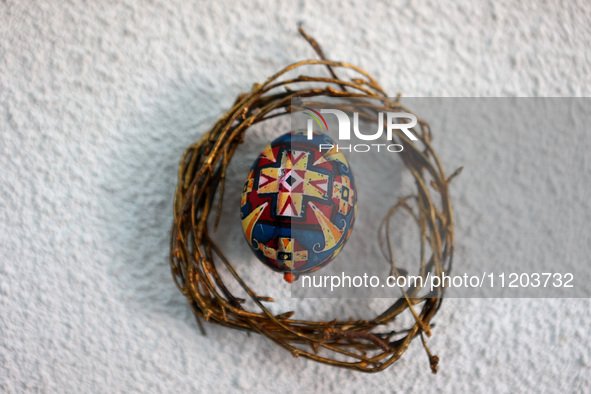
(298, 204)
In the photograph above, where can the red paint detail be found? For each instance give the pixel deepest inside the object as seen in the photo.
(316, 183)
(268, 180)
(298, 189)
(289, 277)
(293, 159)
(291, 205)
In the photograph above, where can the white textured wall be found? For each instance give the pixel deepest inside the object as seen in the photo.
(97, 103)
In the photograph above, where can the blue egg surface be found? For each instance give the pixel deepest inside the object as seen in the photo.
(298, 203)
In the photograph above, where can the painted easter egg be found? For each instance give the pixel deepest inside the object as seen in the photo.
(298, 203)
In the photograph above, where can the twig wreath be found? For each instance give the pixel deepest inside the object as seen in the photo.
(363, 345)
